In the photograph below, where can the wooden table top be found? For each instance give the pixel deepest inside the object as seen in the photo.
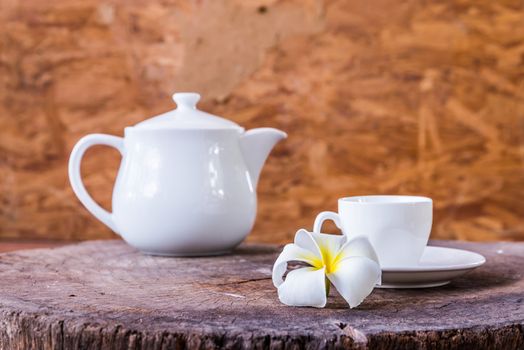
(105, 294)
(10, 246)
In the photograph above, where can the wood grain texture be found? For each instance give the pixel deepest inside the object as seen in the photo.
(106, 295)
(377, 97)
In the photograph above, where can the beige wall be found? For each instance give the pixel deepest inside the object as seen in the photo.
(377, 96)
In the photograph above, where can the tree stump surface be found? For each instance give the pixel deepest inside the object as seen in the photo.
(105, 295)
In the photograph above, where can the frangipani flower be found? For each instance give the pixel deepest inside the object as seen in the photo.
(350, 265)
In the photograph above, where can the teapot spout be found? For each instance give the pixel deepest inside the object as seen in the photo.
(256, 144)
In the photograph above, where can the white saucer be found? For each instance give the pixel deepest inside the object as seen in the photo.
(437, 267)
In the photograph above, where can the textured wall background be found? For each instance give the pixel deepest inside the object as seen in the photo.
(381, 96)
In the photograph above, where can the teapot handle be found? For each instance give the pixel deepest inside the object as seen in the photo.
(76, 179)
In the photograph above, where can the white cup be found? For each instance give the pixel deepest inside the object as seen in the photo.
(398, 227)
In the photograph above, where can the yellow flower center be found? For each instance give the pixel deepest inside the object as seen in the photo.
(330, 258)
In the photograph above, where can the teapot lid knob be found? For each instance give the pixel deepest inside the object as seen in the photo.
(187, 117)
(186, 99)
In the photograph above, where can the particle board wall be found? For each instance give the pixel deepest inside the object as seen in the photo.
(378, 97)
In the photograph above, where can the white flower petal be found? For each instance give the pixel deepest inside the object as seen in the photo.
(355, 278)
(304, 239)
(304, 287)
(358, 246)
(328, 242)
(292, 252)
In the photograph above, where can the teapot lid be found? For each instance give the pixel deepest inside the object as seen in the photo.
(187, 116)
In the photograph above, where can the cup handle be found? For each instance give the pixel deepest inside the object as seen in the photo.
(76, 179)
(323, 216)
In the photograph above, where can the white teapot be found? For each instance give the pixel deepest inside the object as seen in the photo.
(187, 181)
